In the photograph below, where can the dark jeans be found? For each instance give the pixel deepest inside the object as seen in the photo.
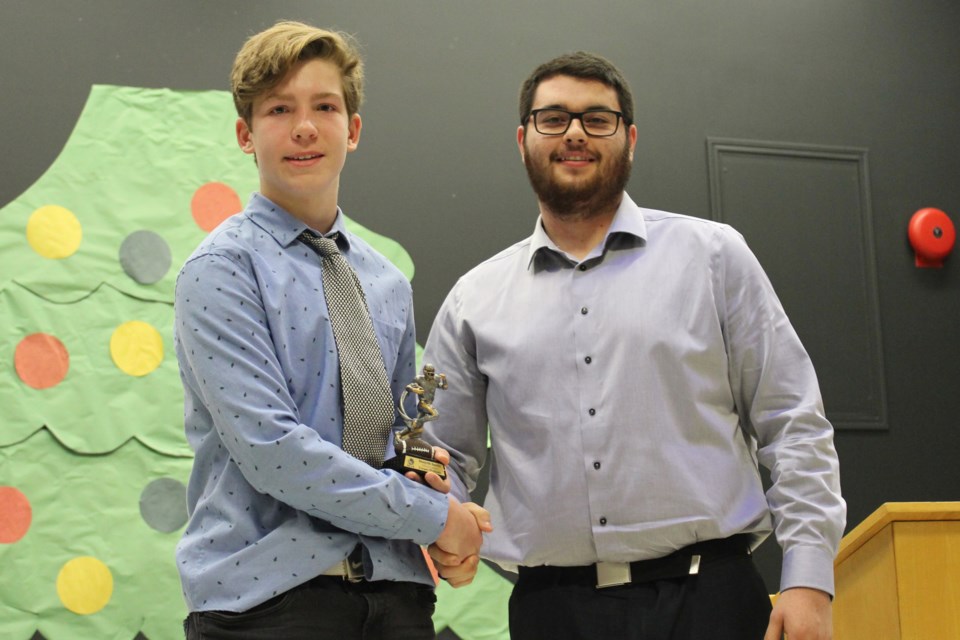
(726, 601)
(326, 607)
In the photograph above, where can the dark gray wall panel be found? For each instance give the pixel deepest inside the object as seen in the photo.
(806, 212)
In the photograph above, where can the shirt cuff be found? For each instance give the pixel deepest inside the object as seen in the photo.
(429, 517)
(807, 566)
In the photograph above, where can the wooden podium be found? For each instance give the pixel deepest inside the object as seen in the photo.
(898, 574)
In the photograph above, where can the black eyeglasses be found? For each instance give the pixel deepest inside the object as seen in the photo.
(599, 123)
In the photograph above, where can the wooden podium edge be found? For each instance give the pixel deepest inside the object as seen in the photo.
(890, 512)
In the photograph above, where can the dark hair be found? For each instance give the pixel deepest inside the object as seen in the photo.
(583, 65)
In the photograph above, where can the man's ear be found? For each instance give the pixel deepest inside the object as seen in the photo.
(244, 139)
(520, 132)
(353, 132)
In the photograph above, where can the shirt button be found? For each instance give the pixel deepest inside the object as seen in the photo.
(584, 310)
(582, 267)
(588, 359)
(592, 412)
(596, 465)
(603, 521)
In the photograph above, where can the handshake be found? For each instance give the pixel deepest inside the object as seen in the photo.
(456, 553)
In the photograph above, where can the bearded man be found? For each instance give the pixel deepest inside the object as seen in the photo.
(634, 367)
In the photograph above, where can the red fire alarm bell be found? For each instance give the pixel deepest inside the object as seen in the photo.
(932, 236)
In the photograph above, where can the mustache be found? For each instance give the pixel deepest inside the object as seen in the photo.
(559, 155)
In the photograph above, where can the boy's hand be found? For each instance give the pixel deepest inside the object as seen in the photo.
(458, 575)
(434, 481)
(461, 536)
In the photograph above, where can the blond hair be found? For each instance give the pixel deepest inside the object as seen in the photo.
(267, 57)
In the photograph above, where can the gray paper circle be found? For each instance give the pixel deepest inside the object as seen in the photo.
(145, 256)
(163, 504)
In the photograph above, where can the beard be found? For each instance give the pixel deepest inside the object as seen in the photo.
(582, 199)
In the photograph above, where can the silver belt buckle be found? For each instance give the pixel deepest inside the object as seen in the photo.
(352, 572)
(613, 574)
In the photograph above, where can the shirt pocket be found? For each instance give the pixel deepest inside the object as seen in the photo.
(390, 337)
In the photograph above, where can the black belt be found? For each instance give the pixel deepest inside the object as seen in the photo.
(679, 564)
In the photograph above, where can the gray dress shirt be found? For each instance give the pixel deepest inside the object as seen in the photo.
(631, 396)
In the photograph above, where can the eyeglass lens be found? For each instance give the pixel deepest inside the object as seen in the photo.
(557, 121)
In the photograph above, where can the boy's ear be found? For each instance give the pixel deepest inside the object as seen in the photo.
(353, 132)
(244, 139)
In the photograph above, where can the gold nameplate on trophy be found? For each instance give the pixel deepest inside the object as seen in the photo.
(414, 463)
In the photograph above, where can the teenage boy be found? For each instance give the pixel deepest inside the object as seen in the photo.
(290, 536)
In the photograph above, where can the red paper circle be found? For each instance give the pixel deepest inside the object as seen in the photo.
(41, 360)
(213, 203)
(15, 515)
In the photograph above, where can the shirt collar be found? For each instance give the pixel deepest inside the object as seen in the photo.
(285, 228)
(628, 227)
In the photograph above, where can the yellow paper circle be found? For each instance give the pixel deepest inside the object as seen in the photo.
(85, 585)
(136, 348)
(54, 232)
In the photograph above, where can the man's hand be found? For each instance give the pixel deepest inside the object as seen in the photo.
(457, 569)
(803, 614)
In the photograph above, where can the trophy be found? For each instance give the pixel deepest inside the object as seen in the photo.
(413, 454)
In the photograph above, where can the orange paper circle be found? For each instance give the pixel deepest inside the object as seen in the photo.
(213, 203)
(41, 360)
(15, 515)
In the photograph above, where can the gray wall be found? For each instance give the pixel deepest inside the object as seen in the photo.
(438, 168)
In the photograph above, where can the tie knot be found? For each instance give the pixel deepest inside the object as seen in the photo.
(326, 247)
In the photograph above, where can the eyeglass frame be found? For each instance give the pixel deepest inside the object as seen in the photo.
(577, 115)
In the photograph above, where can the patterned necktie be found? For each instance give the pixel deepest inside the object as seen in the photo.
(368, 411)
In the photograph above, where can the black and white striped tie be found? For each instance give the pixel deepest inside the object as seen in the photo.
(368, 411)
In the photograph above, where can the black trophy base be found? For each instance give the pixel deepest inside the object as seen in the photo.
(414, 455)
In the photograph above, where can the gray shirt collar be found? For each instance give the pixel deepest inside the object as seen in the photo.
(628, 230)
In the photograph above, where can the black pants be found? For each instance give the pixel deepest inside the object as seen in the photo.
(727, 600)
(327, 607)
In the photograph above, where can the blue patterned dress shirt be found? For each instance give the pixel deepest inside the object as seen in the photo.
(274, 501)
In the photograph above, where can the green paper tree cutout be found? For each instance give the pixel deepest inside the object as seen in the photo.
(93, 462)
